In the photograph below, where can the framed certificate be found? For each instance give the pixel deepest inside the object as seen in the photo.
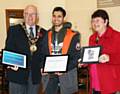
(90, 54)
(12, 58)
(55, 63)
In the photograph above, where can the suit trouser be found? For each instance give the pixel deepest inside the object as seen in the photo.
(29, 88)
(68, 83)
(52, 87)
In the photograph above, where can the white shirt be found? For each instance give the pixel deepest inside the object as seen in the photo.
(34, 29)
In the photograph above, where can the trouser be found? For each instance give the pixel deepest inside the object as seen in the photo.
(52, 87)
(29, 88)
(64, 84)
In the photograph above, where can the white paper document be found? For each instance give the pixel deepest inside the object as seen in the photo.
(56, 63)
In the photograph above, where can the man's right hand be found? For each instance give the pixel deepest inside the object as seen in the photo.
(15, 68)
(43, 72)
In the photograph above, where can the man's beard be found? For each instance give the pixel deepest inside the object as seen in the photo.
(58, 25)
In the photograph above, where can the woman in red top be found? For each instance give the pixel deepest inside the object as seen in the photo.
(105, 76)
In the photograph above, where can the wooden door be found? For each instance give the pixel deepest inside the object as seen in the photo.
(13, 16)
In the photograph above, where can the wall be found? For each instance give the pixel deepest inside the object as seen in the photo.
(114, 16)
(44, 6)
(79, 13)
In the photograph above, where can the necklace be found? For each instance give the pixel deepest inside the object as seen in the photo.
(32, 41)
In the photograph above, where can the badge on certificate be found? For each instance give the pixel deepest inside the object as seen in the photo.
(12, 58)
(90, 54)
(55, 63)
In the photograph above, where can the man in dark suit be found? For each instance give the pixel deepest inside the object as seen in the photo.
(26, 39)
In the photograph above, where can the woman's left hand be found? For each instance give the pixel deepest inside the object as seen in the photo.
(104, 58)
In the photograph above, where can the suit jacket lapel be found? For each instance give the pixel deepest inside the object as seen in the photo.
(37, 27)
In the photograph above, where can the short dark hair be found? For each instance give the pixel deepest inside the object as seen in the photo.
(101, 13)
(60, 9)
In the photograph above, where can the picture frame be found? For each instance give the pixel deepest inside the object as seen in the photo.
(90, 54)
(13, 59)
(55, 63)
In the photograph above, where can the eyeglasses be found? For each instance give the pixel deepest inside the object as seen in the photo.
(30, 14)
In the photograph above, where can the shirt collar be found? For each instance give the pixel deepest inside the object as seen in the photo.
(28, 29)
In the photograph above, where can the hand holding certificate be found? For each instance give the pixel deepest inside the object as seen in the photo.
(104, 58)
(15, 68)
(56, 63)
(15, 59)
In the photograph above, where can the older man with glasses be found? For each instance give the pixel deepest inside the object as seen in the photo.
(26, 38)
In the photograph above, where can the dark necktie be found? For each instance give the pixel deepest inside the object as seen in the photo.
(31, 33)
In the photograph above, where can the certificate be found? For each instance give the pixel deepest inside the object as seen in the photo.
(90, 54)
(55, 63)
(12, 58)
